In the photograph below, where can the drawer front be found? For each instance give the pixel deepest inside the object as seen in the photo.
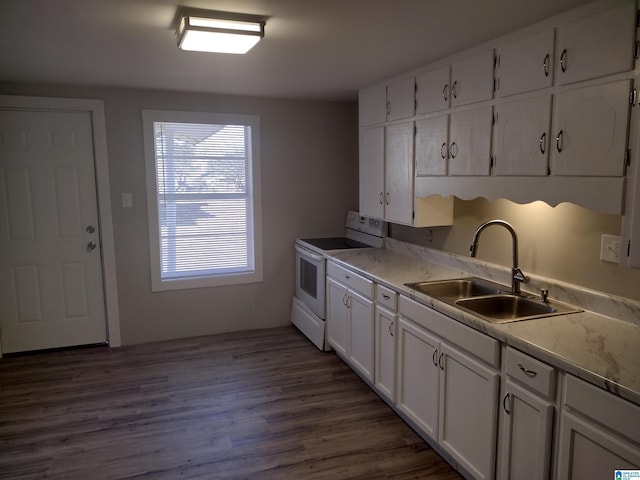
(350, 279)
(616, 413)
(455, 333)
(387, 297)
(530, 372)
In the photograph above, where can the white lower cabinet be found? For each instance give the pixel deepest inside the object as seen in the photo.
(350, 322)
(599, 433)
(526, 418)
(448, 385)
(385, 342)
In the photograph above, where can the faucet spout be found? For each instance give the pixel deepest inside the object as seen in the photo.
(516, 274)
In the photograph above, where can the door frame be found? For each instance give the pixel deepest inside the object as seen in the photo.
(99, 136)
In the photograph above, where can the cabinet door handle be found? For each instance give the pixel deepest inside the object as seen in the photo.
(345, 301)
(434, 358)
(443, 150)
(504, 404)
(391, 328)
(445, 92)
(563, 60)
(526, 371)
(454, 89)
(545, 65)
(381, 198)
(543, 143)
(440, 361)
(560, 141)
(453, 150)
(387, 198)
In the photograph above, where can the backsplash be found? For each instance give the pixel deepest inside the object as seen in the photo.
(621, 308)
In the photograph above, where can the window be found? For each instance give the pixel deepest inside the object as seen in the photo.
(203, 195)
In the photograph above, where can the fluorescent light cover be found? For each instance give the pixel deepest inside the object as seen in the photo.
(221, 32)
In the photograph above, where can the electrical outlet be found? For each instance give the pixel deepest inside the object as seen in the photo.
(610, 248)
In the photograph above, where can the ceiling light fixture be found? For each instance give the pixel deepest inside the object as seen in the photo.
(222, 32)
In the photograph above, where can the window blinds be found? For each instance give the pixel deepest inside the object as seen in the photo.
(203, 174)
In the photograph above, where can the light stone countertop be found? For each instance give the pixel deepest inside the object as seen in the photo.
(600, 345)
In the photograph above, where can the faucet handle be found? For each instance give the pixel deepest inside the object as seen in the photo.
(518, 275)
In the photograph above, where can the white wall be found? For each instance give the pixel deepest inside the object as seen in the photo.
(309, 181)
(561, 243)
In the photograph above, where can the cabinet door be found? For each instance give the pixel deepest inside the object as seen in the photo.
(372, 105)
(337, 316)
(472, 79)
(597, 45)
(522, 137)
(526, 65)
(468, 412)
(371, 177)
(589, 451)
(385, 353)
(590, 128)
(401, 98)
(361, 333)
(433, 91)
(470, 142)
(418, 376)
(399, 173)
(432, 147)
(527, 427)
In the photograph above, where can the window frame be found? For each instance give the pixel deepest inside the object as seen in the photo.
(149, 117)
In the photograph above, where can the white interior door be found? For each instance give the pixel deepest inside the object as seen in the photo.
(51, 290)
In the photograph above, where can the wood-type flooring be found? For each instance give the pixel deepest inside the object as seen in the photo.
(262, 404)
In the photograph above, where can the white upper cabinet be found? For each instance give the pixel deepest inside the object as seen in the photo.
(470, 142)
(522, 137)
(472, 79)
(433, 91)
(401, 100)
(598, 45)
(372, 105)
(371, 177)
(525, 65)
(432, 145)
(399, 173)
(590, 128)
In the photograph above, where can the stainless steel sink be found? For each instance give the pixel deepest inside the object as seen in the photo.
(510, 308)
(451, 290)
(490, 301)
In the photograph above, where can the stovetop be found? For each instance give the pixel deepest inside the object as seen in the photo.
(334, 243)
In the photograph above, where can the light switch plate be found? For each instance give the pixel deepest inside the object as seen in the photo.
(610, 248)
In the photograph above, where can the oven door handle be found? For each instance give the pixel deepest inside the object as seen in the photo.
(308, 253)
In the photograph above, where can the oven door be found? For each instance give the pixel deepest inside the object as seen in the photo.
(310, 278)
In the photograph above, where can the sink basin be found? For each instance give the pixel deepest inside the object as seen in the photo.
(452, 290)
(510, 308)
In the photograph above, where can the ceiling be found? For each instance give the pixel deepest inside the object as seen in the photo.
(313, 49)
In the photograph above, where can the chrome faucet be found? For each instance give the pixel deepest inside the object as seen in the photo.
(516, 274)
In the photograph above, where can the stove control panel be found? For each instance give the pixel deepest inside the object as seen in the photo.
(372, 226)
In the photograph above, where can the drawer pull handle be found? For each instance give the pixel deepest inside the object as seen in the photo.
(385, 296)
(526, 371)
(347, 276)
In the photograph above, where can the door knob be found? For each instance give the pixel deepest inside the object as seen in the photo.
(91, 246)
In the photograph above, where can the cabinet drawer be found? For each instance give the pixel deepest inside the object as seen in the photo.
(482, 346)
(532, 373)
(606, 408)
(387, 297)
(350, 279)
